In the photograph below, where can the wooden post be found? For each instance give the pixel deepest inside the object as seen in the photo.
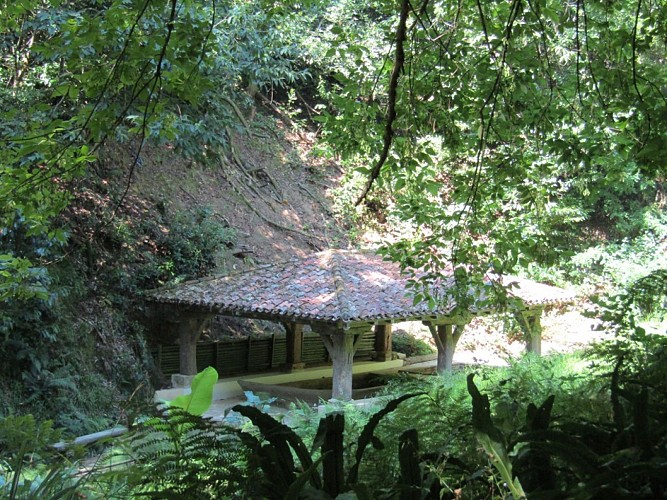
(529, 322)
(383, 342)
(446, 336)
(294, 341)
(341, 346)
(190, 327)
(342, 356)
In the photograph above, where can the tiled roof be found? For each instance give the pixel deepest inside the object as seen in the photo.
(335, 286)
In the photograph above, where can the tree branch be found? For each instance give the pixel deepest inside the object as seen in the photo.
(634, 67)
(157, 79)
(399, 59)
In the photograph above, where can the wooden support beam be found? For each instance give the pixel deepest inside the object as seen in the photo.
(446, 335)
(383, 342)
(294, 338)
(341, 346)
(190, 327)
(531, 327)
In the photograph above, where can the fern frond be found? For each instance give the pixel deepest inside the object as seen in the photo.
(180, 455)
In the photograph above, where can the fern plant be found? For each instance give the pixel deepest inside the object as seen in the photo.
(180, 455)
(24, 441)
(320, 472)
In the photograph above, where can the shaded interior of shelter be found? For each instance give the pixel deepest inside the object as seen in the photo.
(345, 297)
(239, 346)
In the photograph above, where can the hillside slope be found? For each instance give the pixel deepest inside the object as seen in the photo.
(268, 190)
(84, 354)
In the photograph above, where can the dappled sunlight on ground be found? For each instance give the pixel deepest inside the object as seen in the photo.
(492, 340)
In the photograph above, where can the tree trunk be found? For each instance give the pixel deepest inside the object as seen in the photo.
(530, 324)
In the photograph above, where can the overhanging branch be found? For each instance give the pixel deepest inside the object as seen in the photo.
(399, 60)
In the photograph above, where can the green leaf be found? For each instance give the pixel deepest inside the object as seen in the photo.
(201, 393)
(367, 434)
(491, 438)
(280, 437)
(433, 188)
(295, 489)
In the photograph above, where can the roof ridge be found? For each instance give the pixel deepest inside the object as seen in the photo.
(340, 292)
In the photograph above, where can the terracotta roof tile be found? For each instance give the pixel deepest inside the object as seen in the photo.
(334, 286)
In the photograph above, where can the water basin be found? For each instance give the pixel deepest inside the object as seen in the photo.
(314, 390)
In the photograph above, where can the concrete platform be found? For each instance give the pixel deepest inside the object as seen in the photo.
(228, 388)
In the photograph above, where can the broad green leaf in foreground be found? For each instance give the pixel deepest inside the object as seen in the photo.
(201, 393)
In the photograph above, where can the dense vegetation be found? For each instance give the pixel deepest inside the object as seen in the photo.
(545, 428)
(522, 135)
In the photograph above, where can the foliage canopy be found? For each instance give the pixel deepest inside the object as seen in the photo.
(499, 132)
(496, 129)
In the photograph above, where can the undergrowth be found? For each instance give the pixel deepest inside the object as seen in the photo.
(442, 417)
(74, 353)
(408, 344)
(608, 266)
(559, 425)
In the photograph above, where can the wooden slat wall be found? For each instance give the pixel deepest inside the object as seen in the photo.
(366, 346)
(166, 358)
(235, 356)
(313, 350)
(232, 358)
(279, 351)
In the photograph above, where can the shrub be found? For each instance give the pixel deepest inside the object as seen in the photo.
(409, 345)
(29, 467)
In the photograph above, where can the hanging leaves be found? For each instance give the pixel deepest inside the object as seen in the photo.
(514, 123)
